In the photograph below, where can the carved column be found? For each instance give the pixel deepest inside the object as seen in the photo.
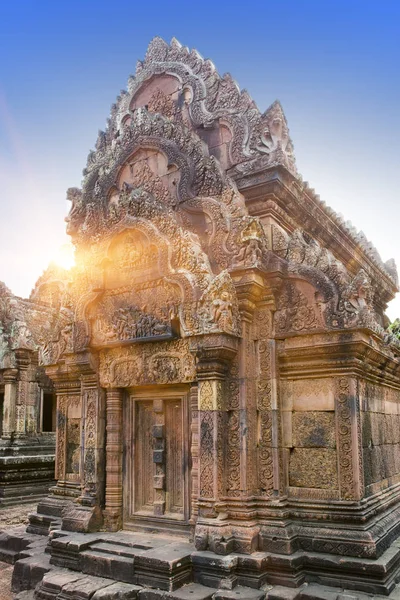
(214, 352)
(28, 393)
(113, 509)
(22, 361)
(10, 395)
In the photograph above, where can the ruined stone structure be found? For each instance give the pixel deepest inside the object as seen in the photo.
(220, 358)
(27, 403)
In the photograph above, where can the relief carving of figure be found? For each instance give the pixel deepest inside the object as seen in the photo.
(76, 215)
(249, 254)
(221, 312)
(218, 308)
(253, 244)
(358, 295)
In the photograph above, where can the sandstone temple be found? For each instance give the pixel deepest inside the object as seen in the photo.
(215, 375)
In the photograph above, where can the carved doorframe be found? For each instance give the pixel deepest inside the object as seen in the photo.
(132, 518)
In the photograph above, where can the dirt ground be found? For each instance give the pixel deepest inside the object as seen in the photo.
(16, 515)
(5, 581)
(11, 517)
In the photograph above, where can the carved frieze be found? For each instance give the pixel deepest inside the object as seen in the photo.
(161, 362)
(295, 312)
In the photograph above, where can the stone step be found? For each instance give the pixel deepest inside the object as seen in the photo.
(167, 567)
(66, 549)
(13, 542)
(41, 524)
(192, 591)
(62, 583)
(240, 592)
(117, 591)
(28, 572)
(118, 549)
(8, 556)
(26, 595)
(84, 589)
(112, 566)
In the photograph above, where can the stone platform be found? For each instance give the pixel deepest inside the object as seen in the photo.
(126, 565)
(26, 469)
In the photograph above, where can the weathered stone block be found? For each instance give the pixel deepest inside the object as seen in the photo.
(312, 394)
(314, 429)
(192, 591)
(377, 464)
(366, 429)
(84, 588)
(313, 468)
(117, 591)
(240, 592)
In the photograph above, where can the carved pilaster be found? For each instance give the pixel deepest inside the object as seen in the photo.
(93, 442)
(213, 529)
(194, 450)
(348, 431)
(68, 444)
(250, 288)
(10, 395)
(113, 509)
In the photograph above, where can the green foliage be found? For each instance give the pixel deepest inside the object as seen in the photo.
(394, 328)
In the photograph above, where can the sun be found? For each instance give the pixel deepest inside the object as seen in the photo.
(65, 256)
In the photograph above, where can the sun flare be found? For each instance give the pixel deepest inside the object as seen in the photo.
(65, 256)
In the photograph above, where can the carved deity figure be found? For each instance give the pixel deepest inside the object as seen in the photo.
(357, 297)
(249, 254)
(221, 312)
(76, 215)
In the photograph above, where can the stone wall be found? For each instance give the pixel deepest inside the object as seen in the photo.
(380, 406)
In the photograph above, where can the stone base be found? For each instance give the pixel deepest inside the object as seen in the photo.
(26, 470)
(364, 531)
(153, 562)
(222, 537)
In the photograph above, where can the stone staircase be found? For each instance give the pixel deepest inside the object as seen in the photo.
(136, 566)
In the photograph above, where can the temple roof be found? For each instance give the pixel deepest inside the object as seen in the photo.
(258, 141)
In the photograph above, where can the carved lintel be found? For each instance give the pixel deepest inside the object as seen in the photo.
(213, 353)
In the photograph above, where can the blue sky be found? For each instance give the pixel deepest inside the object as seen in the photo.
(334, 65)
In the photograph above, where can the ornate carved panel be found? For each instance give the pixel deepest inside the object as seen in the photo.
(68, 460)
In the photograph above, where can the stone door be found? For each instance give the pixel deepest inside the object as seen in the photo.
(156, 474)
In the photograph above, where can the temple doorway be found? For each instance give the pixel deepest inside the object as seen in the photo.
(156, 459)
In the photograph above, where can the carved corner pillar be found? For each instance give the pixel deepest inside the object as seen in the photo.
(348, 435)
(10, 397)
(250, 289)
(114, 447)
(214, 352)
